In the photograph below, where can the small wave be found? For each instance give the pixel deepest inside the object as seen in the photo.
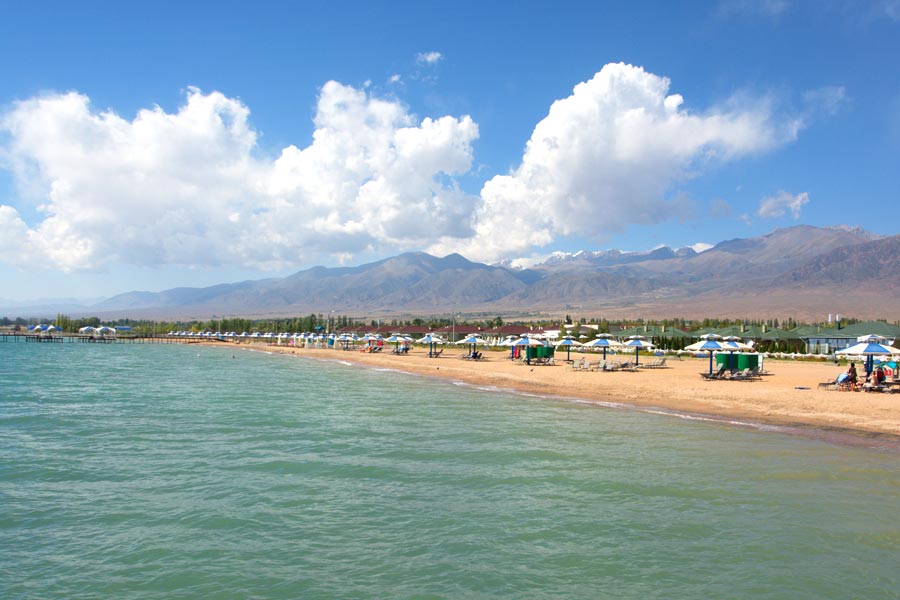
(390, 370)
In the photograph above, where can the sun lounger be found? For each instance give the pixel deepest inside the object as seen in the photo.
(718, 374)
(627, 366)
(600, 365)
(744, 375)
(579, 365)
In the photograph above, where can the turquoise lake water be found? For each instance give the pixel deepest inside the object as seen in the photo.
(145, 471)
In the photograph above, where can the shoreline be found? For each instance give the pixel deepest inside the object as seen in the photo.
(788, 399)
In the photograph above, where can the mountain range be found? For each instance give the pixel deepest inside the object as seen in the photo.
(803, 272)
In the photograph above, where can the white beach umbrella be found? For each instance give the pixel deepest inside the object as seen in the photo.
(638, 342)
(432, 340)
(508, 340)
(709, 342)
(870, 346)
(568, 341)
(605, 341)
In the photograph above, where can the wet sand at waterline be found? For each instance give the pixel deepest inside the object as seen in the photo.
(788, 395)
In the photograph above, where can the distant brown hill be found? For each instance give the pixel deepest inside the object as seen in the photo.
(804, 272)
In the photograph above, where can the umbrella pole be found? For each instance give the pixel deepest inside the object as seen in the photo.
(710, 362)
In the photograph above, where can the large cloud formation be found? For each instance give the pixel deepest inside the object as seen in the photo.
(191, 188)
(187, 189)
(609, 155)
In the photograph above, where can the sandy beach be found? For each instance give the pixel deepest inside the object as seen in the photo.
(787, 396)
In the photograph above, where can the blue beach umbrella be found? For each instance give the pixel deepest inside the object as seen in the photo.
(523, 342)
(395, 338)
(605, 341)
(870, 346)
(472, 340)
(710, 343)
(568, 341)
(638, 342)
(432, 340)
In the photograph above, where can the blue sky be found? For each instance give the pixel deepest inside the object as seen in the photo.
(153, 147)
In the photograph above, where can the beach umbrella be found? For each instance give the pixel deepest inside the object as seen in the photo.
(638, 342)
(870, 346)
(709, 342)
(89, 329)
(432, 340)
(568, 341)
(605, 341)
(396, 338)
(523, 341)
(345, 339)
(472, 340)
(734, 344)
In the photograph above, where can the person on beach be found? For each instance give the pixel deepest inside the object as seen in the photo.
(852, 378)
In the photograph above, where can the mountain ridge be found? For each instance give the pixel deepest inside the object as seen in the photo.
(801, 271)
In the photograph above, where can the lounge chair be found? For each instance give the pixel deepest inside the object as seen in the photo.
(600, 365)
(717, 374)
(743, 375)
(579, 365)
(627, 366)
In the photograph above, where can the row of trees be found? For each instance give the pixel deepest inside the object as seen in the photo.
(320, 322)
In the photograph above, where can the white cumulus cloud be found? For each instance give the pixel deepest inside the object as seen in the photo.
(187, 188)
(781, 203)
(609, 155)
